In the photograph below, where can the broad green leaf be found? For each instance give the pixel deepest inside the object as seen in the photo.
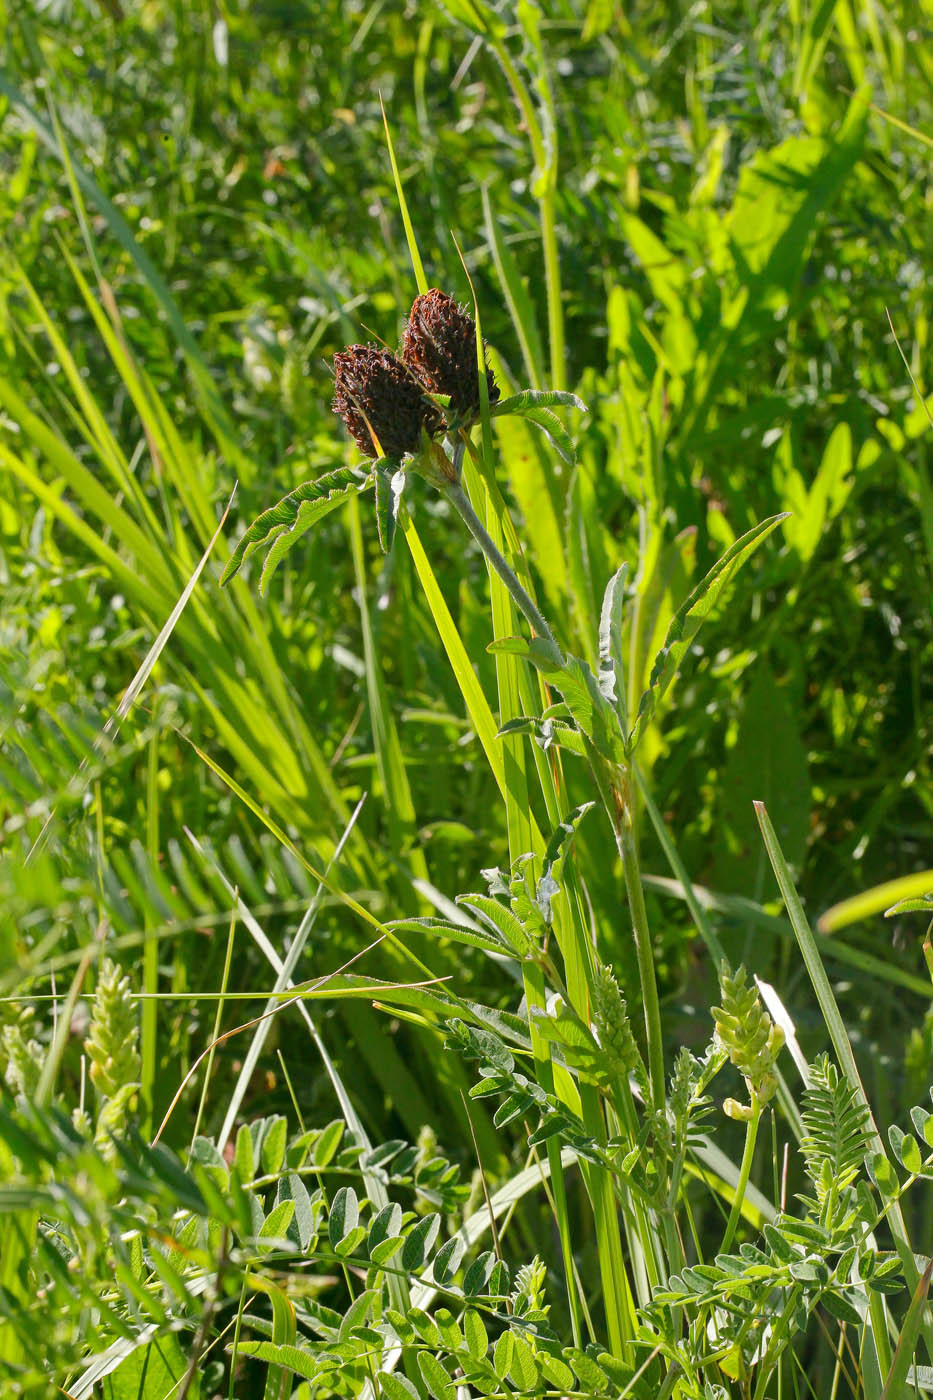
(327, 1142)
(292, 1188)
(447, 1324)
(523, 1373)
(276, 1223)
(690, 617)
(502, 1354)
(547, 732)
(396, 1387)
(420, 1242)
(906, 1149)
(447, 1260)
(390, 483)
(557, 847)
(351, 1242)
(537, 398)
(344, 1215)
(243, 1162)
(155, 1369)
(425, 1327)
(386, 1249)
(386, 1224)
(290, 1357)
(474, 1330)
(477, 1275)
(436, 1379)
(282, 525)
(273, 1146)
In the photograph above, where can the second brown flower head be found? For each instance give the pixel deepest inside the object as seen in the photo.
(440, 346)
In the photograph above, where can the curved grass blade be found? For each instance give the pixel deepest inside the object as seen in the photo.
(688, 619)
(846, 1061)
(521, 308)
(414, 254)
(283, 524)
(877, 900)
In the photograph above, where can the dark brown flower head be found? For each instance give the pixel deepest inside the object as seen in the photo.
(374, 393)
(440, 346)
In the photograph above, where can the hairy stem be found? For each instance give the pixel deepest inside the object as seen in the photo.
(751, 1136)
(457, 497)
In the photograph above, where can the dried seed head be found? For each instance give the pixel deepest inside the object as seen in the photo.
(440, 346)
(374, 393)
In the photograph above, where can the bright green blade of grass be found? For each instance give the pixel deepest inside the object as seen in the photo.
(390, 758)
(149, 274)
(874, 901)
(846, 1060)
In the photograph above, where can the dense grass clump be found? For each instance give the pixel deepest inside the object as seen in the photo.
(466, 541)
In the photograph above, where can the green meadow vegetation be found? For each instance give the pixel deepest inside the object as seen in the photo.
(464, 902)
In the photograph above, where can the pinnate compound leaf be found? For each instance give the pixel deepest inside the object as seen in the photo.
(688, 619)
(283, 524)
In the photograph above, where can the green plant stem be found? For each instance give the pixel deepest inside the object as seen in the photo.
(458, 499)
(617, 798)
(751, 1136)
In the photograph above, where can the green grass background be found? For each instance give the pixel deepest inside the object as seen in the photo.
(196, 210)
